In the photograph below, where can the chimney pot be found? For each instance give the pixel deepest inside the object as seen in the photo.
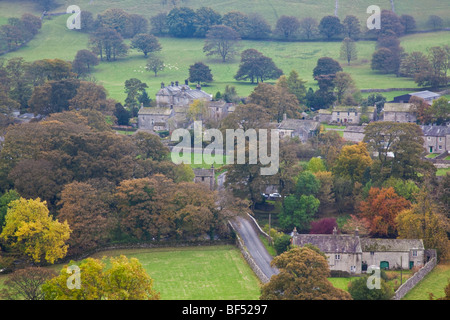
(335, 231)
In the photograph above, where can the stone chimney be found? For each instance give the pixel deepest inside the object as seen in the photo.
(162, 85)
(172, 83)
(334, 231)
(199, 87)
(284, 116)
(186, 82)
(356, 232)
(176, 83)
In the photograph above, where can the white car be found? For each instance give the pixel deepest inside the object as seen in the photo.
(275, 195)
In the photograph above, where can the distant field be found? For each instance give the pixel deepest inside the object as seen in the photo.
(56, 41)
(273, 9)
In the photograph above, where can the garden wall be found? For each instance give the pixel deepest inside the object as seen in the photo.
(415, 279)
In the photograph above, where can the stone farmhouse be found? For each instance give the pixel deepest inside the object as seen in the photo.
(303, 129)
(399, 112)
(172, 105)
(428, 96)
(346, 115)
(353, 254)
(436, 139)
(154, 119)
(354, 133)
(205, 176)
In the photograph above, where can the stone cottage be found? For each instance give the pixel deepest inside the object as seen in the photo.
(205, 176)
(436, 139)
(154, 119)
(303, 129)
(350, 253)
(354, 133)
(399, 112)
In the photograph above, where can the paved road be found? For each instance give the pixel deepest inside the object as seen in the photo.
(254, 245)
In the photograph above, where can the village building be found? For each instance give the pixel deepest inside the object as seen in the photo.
(428, 96)
(346, 114)
(302, 129)
(399, 112)
(176, 95)
(354, 133)
(154, 118)
(354, 254)
(436, 139)
(205, 176)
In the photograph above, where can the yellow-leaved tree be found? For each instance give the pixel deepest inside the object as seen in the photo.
(31, 230)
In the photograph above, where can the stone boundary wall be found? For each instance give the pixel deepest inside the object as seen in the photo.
(411, 282)
(258, 228)
(248, 258)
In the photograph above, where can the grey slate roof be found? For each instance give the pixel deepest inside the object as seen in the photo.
(155, 111)
(330, 243)
(435, 131)
(386, 245)
(295, 124)
(184, 90)
(425, 94)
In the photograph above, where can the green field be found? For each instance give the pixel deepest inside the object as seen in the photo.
(270, 9)
(434, 282)
(195, 273)
(56, 41)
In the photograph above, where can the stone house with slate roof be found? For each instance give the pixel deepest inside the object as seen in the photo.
(399, 112)
(176, 95)
(436, 139)
(205, 176)
(303, 129)
(350, 253)
(154, 119)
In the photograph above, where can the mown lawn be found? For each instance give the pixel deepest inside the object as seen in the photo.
(194, 273)
(442, 172)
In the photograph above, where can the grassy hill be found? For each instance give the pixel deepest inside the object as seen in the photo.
(56, 41)
(270, 9)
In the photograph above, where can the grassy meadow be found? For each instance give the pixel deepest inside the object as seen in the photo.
(56, 41)
(269, 9)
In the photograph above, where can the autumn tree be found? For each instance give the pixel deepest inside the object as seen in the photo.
(359, 290)
(345, 88)
(255, 66)
(205, 18)
(381, 209)
(303, 276)
(351, 27)
(181, 22)
(353, 162)
(396, 149)
(108, 44)
(125, 279)
(308, 27)
(348, 50)
(408, 22)
(424, 221)
(276, 100)
(222, 41)
(88, 215)
(287, 26)
(90, 96)
(144, 207)
(32, 231)
(200, 72)
(26, 284)
(155, 64)
(330, 26)
(237, 21)
(133, 88)
(118, 20)
(84, 60)
(146, 43)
